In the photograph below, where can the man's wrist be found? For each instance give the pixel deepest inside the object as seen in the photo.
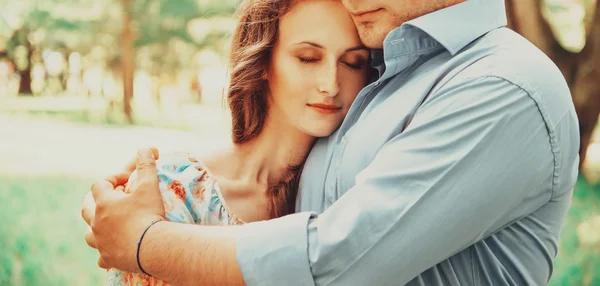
(139, 246)
(164, 254)
(153, 256)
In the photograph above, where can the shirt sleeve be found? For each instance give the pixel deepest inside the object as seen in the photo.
(477, 156)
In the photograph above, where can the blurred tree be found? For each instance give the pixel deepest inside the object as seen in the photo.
(545, 24)
(166, 31)
(23, 61)
(127, 56)
(158, 25)
(29, 38)
(42, 27)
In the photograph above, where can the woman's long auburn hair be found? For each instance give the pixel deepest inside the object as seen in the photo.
(251, 49)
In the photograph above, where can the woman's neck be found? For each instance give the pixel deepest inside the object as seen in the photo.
(265, 159)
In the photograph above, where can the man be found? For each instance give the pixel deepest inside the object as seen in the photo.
(455, 167)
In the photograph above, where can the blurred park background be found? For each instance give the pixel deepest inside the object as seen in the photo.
(83, 83)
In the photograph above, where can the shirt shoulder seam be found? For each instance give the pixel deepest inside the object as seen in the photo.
(554, 147)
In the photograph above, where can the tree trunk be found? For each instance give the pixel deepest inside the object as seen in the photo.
(25, 82)
(586, 84)
(581, 70)
(127, 60)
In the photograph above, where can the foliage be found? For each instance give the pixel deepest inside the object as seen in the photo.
(93, 28)
(578, 264)
(41, 236)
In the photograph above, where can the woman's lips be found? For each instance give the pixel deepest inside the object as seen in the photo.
(324, 108)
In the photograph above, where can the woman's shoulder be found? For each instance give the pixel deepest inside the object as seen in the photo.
(181, 160)
(178, 162)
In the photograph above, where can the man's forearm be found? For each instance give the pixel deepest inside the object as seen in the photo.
(187, 254)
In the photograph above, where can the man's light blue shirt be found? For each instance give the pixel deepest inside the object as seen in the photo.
(455, 167)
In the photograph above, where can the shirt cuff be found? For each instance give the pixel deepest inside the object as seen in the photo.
(275, 252)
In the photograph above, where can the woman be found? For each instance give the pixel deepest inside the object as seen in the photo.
(297, 66)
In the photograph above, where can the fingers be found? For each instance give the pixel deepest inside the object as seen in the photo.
(109, 183)
(146, 168)
(132, 164)
(100, 187)
(154, 152)
(90, 239)
(102, 264)
(88, 208)
(118, 178)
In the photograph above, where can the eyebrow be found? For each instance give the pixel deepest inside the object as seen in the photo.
(359, 47)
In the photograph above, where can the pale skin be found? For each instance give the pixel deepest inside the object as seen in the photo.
(113, 214)
(309, 67)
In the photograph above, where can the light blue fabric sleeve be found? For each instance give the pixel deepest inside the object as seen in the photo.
(477, 156)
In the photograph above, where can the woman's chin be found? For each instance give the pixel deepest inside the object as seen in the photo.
(320, 132)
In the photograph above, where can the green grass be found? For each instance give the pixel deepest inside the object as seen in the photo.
(578, 264)
(41, 235)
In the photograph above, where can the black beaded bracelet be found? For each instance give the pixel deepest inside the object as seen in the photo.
(137, 255)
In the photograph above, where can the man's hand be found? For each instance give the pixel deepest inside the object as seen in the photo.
(117, 219)
(88, 206)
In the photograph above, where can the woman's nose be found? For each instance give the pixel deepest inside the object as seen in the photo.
(329, 83)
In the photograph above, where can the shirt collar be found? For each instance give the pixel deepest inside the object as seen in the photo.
(453, 28)
(456, 26)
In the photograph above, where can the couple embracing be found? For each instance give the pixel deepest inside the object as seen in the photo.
(375, 142)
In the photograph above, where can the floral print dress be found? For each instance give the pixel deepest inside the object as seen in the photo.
(190, 195)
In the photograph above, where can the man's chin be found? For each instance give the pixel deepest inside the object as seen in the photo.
(372, 37)
(374, 45)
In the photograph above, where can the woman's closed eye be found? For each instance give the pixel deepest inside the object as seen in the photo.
(308, 60)
(356, 65)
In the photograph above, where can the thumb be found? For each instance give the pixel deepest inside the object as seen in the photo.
(131, 165)
(147, 176)
(145, 164)
(146, 188)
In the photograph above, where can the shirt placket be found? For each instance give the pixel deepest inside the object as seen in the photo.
(334, 172)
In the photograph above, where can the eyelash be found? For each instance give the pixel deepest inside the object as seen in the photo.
(358, 66)
(308, 61)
